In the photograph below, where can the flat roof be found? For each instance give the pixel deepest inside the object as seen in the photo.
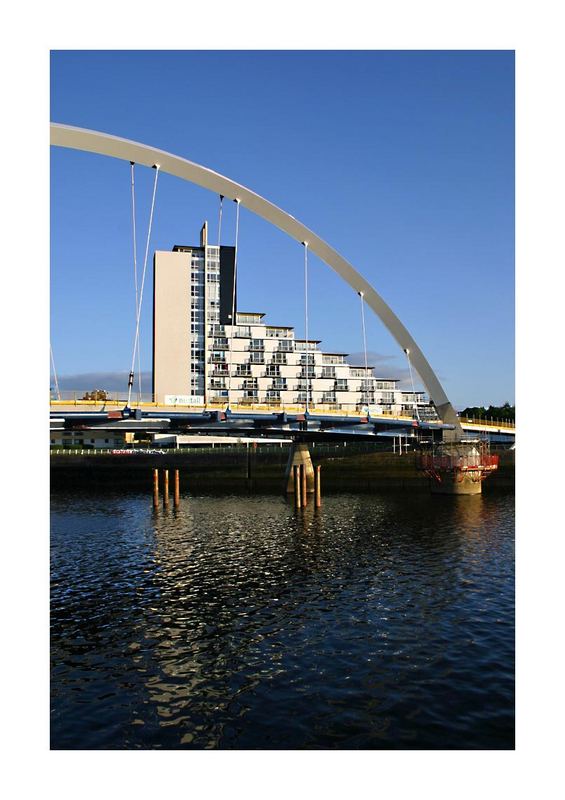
(178, 247)
(249, 314)
(282, 327)
(310, 341)
(328, 353)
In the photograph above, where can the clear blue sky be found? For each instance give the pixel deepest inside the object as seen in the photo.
(403, 161)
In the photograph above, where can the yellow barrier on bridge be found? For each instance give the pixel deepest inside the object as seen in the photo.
(489, 423)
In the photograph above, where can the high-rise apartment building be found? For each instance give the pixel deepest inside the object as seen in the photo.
(202, 356)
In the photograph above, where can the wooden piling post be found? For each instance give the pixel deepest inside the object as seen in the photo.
(296, 473)
(304, 484)
(165, 487)
(177, 489)
(317, 486)
(155, 488)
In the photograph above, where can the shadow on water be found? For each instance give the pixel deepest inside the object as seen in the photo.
(238, 622)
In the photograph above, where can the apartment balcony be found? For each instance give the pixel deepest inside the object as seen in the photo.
(342, 388)
(278, 333)
(243, 333)
(219, 344)
(286, 347)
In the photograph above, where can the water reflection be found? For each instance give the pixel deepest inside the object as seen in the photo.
(239, 622)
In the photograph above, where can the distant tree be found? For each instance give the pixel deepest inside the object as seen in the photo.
(505, 411)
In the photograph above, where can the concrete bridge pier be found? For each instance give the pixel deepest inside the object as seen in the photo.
(299, 455)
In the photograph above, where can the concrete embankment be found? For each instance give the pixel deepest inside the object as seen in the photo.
(351, 468)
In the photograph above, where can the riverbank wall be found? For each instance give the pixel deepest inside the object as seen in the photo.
(344, 468)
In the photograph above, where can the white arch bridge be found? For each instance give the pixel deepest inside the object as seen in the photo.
(116, 147)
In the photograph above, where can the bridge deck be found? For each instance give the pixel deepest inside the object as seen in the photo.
(96, 413)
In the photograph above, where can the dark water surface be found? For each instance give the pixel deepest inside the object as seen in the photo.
(375, 622)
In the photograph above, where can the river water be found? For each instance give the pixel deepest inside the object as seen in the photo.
(378, 621)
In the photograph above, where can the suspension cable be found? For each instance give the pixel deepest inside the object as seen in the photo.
(362, 298)
(134, 239)
(237, 201)
(54, 373)
(220, 220)
(138, 315)
(306, 322)
(407, 351)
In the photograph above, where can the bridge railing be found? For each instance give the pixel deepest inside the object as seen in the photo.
(494, 423)
(120, 399)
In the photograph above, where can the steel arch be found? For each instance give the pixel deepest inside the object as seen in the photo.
(116, 147)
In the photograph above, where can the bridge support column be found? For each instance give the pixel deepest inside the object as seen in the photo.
(299, 455)
(458, 483)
